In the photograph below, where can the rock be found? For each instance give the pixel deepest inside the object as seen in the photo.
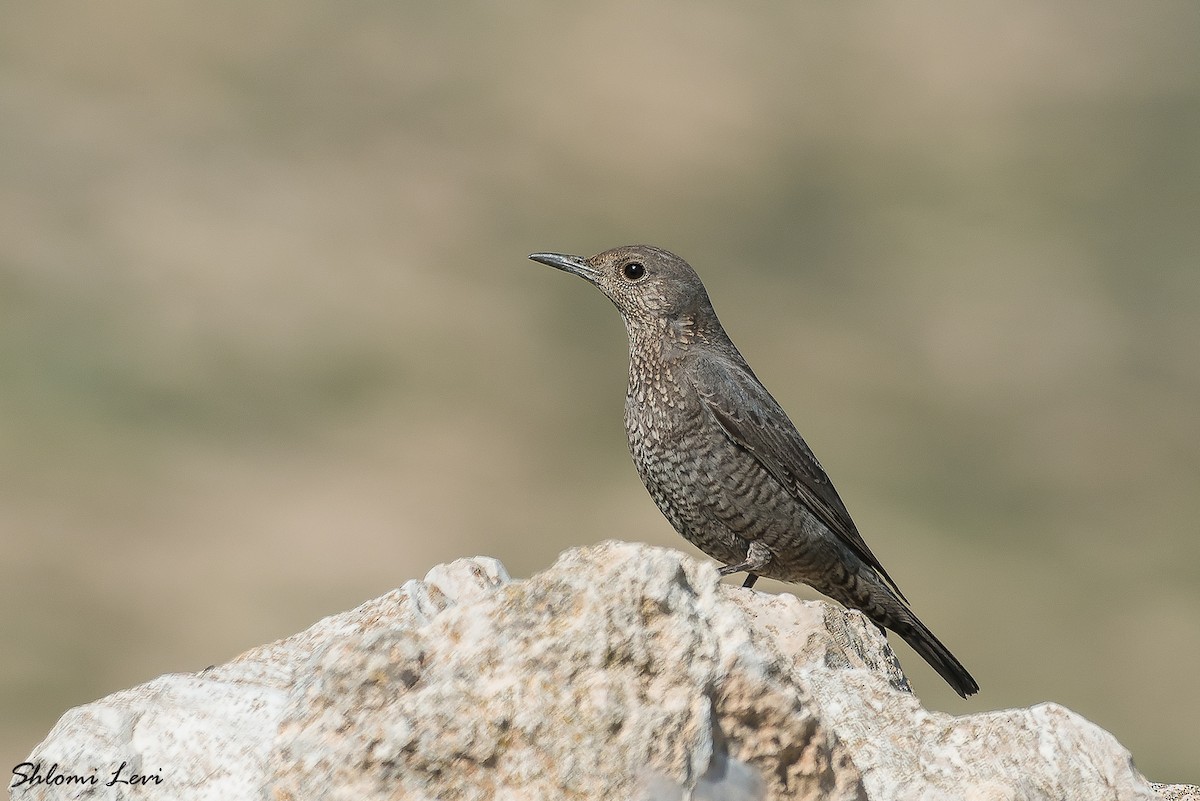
(623, 671)
(1177, 792)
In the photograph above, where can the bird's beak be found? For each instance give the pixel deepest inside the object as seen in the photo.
(568, 264)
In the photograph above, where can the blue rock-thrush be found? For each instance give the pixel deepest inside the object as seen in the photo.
(724, 462)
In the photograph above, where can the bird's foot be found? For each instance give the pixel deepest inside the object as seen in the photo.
(757, 557)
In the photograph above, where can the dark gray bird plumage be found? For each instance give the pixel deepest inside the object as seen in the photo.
(721, 458)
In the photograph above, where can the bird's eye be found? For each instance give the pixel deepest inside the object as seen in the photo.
(633, 270)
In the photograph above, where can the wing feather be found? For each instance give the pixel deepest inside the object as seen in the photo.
(753, 420)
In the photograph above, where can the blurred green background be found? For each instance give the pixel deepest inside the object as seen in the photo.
(269, 344)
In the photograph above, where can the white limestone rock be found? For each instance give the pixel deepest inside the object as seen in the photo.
(623, 671)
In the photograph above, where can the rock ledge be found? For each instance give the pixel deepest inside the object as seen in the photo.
(623, 671)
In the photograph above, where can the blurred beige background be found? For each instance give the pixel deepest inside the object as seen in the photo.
(269, 344)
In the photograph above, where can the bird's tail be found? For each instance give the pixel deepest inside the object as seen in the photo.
(918, 635)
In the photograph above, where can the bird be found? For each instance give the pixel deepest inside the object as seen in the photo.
(721, 458)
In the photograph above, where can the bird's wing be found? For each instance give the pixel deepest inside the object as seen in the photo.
(753, 420)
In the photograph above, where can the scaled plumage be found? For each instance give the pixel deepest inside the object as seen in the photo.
(722, 459)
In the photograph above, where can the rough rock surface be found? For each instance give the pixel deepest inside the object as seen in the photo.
(623, 671)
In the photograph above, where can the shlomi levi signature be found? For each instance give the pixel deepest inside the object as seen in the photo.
(30, 773)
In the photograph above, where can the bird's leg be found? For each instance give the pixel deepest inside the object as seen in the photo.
(749, 582)
(757, 557)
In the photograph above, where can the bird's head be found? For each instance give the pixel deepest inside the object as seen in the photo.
(648, 285)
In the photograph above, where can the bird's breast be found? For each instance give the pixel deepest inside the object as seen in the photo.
(668, 431)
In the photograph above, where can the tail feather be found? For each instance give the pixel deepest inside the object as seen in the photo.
(918, 635)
